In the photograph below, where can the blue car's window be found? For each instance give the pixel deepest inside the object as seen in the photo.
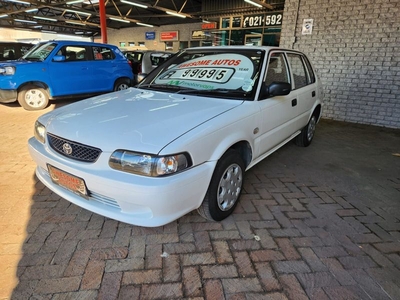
(102, 53)
(73, 53)
(40, 52)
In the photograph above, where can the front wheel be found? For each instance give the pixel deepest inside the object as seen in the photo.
(225, 187)
(121, 84)
(304, 139)
(33, 98)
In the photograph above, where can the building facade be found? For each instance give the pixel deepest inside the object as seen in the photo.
(354, 46)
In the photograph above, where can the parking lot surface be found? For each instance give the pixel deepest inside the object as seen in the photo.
(321, 222)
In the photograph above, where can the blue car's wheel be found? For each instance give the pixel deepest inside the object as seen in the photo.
(32, 97)
(121, 84)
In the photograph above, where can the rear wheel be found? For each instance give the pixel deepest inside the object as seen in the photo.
(225, 187)
(121, 84)
(33, 98)
(304, 139)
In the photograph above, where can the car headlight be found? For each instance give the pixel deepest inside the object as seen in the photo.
(7, 70)
(147, 164)
(40, 132)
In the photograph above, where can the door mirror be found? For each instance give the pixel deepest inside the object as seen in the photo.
(58, 58)
(276, 89)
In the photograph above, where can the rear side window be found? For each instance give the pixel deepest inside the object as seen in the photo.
(7, 53)
(134, 56)
(158, 58)
(310, 70)
(277, 70)
(10, 51)
(103, 53)
(299, 71)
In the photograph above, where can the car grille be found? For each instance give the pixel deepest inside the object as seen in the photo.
(73, 150)
(104, 199)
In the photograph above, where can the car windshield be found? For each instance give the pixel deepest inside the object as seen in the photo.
(40, 52)
(224, 73)
(134, 56)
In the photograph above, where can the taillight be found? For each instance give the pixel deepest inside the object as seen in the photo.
(130, 63)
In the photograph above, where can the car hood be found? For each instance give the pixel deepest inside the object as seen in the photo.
(133, 119)
(18, 62)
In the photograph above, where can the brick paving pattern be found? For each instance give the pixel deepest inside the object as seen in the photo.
(289, 238)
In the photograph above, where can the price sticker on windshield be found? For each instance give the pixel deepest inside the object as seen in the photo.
(210, 71)
(220, 75)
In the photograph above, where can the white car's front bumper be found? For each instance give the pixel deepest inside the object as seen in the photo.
(133, 199)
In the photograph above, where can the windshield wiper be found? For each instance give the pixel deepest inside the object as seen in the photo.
(181, 90)
(158, 86)
(33, 59)
(217, 91)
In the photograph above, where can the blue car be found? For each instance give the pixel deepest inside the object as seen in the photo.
(60, 69)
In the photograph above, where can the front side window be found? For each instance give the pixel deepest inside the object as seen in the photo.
(277, 70)
(219, 73)
(73, 53)
(298, 70)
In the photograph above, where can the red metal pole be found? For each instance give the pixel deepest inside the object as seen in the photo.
(103, 21)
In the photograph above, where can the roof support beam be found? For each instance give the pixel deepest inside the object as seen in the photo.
(103, 21)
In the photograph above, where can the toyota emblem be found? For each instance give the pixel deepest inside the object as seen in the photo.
(67, 149)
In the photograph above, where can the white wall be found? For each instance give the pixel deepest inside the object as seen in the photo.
(137, 35)
(355, 47)
(12, 35)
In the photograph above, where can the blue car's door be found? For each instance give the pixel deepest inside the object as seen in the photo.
(105, 67)
(74, 75)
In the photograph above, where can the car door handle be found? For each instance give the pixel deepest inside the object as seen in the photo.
(294, 102)
(313, 94)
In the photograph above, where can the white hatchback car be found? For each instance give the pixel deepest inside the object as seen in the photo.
(182, 139)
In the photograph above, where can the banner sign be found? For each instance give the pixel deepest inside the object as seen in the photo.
(169, 36)
(263, 20)
(150, 35)
(307, 26)
(212, 25)
(198, 35)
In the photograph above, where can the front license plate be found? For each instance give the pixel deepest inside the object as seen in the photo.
(68, 181)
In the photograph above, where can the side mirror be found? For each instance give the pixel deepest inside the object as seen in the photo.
(276, 89)
(58, 58)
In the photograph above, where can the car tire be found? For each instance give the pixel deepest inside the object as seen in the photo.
(306, 136)
(225, 187)
(33, 97)
(121, 84)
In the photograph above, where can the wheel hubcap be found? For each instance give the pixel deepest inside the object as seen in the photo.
(123, 86)
(35, 98)
(311, 128)
(229, 187)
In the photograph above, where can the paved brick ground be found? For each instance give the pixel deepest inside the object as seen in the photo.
(315, 223)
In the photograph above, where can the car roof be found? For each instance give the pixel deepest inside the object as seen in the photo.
(146, 51)
(236, 47)
(80, 43)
